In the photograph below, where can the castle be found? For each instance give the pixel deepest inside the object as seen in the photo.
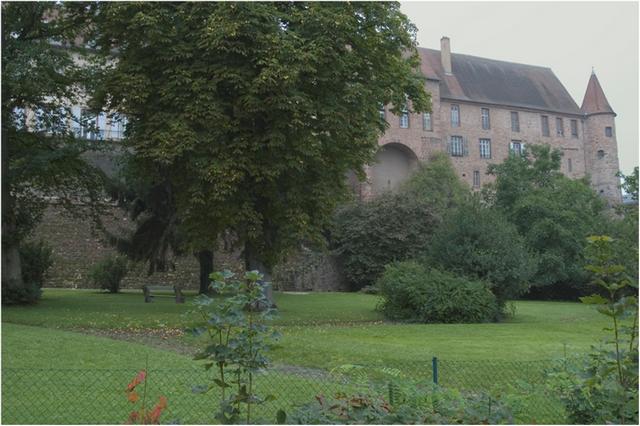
(483, 109)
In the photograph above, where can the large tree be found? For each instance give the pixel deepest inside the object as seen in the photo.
(41, 158)
(254, 112)
(554, 214)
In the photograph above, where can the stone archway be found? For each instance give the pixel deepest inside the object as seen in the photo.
(394, 163)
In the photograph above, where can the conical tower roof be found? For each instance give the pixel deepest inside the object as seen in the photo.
(595, 101)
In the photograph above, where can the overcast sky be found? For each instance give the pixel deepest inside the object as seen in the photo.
(568, 37)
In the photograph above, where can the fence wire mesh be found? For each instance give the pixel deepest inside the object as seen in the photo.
(75, 396)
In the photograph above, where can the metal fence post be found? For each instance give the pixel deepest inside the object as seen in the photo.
(434, 366)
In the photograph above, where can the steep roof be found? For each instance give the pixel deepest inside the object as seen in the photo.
(594, 99)
(489, 81)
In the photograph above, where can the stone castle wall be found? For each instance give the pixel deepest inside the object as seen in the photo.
(77, 248)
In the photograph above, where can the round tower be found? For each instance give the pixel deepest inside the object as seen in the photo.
(601, 146)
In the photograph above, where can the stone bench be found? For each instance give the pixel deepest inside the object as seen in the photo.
(147, 290)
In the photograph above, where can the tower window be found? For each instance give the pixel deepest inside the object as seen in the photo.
(569, 165)
(608, 131)
(600, 154)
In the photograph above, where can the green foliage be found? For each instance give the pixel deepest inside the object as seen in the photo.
(40, 156)
(35, 259)
(480, 243)
(367, 235)
(404, 403)
(553, 213)
(604, 387)
(237, 342)
(413, 292)
(630, 183)
(254, 112)
(108, 273)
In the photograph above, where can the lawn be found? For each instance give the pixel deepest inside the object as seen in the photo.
(330, 329)
(320, 331)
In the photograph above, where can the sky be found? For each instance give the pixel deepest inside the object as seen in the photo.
(568, 37)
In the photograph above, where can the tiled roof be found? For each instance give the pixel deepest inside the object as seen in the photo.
(489, 81)
(594, 99)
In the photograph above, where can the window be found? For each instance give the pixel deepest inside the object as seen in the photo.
(608, 131)
(455, 116)
(515, 122)
(486, 121)
(569, 165)
(516, 147)
(545, 125)
(476, 179)
(19, 118)
(426, 121)
(456, 147)
(404, 119)
(559, 127)
(574, 128)
(600, 154)
(382, 112)
(116, 127)
(485, 148)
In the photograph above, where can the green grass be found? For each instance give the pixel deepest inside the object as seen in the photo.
(320, 330)
(59, 377)
(68, 309)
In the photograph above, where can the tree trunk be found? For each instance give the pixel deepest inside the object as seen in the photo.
(11, 268)
(205, 259)
(253, 263)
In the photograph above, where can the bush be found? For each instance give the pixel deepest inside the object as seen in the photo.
(109, 272)
(35, 260)
(368, 235)
(412, 292)
(480, 243)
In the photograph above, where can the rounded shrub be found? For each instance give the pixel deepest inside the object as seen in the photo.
(109, 273)
(412, 292)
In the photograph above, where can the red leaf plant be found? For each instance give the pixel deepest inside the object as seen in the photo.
(142, 415)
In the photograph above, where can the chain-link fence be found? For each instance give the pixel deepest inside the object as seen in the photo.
(73, 396)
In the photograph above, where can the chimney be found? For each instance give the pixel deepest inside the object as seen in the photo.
(445, 54)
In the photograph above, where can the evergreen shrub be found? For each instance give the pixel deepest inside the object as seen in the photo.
(109, 273)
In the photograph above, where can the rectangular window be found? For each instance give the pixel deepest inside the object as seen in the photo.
(574, 128)
(545, 125)
(559, 127)
(382, 112)
(569, 165)
(485, 148)
(516, 147)
(486, 121)
(404, 119)
(457, 146)
(426, 121)
(476, 179)
(515, 122)
(455, 116)
(608, 131)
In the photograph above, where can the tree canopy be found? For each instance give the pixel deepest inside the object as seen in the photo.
(41, 158)
(254, 112)
(554, 214)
